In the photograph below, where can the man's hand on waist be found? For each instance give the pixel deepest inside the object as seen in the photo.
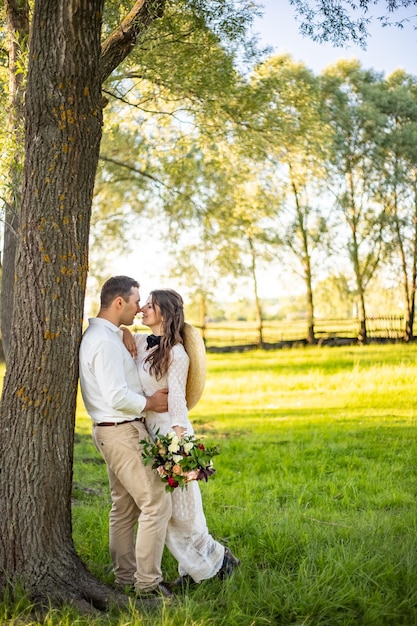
(158, 402)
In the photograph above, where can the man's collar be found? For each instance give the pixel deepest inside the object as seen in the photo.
(101, 321)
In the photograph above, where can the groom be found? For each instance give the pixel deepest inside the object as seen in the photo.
(115, 402)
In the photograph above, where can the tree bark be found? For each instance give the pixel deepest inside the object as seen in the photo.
(62, 139)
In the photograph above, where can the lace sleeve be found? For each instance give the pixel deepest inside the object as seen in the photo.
(177, 381)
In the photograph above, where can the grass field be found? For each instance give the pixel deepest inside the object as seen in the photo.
(315, 491)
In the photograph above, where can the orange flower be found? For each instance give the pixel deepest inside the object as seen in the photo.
(177, 469)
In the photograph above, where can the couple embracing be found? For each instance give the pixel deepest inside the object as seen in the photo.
(132, 387)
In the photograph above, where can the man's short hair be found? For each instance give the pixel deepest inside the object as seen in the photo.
(115, 287)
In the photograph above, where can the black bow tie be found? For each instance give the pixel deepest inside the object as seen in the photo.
(152, 340)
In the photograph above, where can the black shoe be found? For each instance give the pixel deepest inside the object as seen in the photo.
(161, 590)
(229, 564)
(182, 583)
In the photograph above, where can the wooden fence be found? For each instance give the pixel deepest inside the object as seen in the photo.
(332, 331)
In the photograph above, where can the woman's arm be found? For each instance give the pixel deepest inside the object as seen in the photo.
(177, 382)
(129, 341)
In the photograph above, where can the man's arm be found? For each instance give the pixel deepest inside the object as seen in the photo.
(158, 402)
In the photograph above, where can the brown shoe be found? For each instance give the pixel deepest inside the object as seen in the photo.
(127, 589)
(230, 562)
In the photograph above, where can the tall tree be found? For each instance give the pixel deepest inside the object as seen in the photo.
(293, 137)
(247, 227)
(397, 180)
(63, 120)
(63, 130)
(63, 114)
(356, 124)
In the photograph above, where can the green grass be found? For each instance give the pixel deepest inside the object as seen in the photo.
(315, 491)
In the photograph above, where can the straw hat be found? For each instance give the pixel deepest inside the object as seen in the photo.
(196, 350)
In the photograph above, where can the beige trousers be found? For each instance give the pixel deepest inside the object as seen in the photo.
(138, 495)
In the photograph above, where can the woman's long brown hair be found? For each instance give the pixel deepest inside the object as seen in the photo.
(171, 306)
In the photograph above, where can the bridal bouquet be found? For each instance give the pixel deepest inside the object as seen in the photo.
(179, 460)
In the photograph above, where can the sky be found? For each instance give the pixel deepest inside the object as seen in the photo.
(387, 50)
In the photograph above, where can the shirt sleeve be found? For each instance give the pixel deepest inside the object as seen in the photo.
(114, 370)
(177, 382)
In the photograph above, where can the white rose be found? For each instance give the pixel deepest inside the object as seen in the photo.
(174, 445)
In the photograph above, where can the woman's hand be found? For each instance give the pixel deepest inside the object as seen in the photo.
(191, 475)
(179, 431)
(129, 341)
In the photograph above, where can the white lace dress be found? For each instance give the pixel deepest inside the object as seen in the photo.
(188, 538)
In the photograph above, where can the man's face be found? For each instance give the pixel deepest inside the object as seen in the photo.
(130, 308)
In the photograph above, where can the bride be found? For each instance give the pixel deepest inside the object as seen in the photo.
(162, 361)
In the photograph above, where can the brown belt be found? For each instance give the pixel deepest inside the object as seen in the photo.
(136, 419)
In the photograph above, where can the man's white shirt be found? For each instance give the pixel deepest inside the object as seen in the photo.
(109, 379)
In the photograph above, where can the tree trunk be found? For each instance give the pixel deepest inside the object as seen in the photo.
(203, 316)
(403, 260)
(411, 304)
(63, 120)
(62, 139)
(362, 337)
(408, 282)
(258, 306)
(306, 261)
(354, 255)
(311, 335)
(17, 34)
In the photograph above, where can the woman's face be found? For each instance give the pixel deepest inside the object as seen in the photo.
(151, 316)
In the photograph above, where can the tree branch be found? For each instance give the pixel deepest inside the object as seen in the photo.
(120, 43)
(131, 168)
